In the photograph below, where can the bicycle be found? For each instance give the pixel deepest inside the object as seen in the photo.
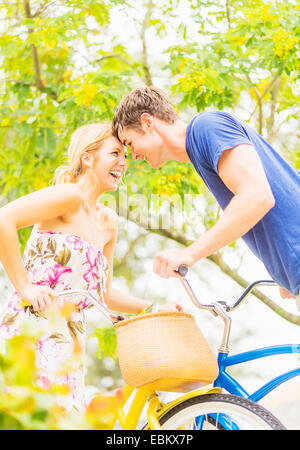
(207, 407)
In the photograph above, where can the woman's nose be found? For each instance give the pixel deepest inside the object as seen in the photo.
(123, 161)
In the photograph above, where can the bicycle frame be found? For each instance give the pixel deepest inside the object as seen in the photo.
(129, 421)
(155, 408)
(225, 380)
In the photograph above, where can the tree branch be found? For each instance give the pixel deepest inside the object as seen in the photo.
(217, 259)
(271, 121)
(35, 56)
(259, 103)
(131, 247)
(113, 55)
(148, 78)
(228, 14)
(36, 61)
(42, 8)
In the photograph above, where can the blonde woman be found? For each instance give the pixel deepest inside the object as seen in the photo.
(71, 247)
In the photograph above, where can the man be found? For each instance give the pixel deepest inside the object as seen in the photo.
(257, 189)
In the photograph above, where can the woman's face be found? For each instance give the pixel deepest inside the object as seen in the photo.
(109, 164)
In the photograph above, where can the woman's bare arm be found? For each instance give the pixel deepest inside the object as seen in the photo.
(33, 208)
(117, 300)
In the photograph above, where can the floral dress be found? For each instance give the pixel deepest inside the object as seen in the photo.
(61, 261)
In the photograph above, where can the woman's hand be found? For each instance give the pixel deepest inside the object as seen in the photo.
(40, 297)
(170, 306)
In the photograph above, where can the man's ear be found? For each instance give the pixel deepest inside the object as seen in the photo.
(146, 121)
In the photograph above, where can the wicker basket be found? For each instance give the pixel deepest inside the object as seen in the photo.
(165, 351)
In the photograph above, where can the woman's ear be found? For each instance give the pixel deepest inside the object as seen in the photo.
(86, 159)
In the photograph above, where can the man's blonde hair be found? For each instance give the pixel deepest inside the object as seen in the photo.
(141, 100)
(87, 138)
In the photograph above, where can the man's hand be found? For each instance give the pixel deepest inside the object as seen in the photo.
(285, 293)
(166, 262)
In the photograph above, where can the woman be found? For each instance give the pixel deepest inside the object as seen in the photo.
(71, 247)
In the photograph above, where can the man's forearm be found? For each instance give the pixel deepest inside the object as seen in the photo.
(240, 215)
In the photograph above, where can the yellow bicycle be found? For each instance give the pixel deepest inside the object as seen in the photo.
(200, 409)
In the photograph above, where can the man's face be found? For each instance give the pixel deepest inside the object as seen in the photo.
(144, 144)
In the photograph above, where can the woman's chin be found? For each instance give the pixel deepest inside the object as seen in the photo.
(112, 187)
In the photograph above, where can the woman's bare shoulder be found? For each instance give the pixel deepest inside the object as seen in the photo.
(67, 192)
(107, 216)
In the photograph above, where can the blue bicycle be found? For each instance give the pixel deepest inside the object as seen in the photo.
(238, 409)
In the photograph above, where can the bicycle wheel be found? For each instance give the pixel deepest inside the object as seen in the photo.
(219, 412)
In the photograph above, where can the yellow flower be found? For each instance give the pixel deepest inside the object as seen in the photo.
(199, 79)
(283, 44)
(265, 15)
(182, 65)
(278, 51)
(183, 78)
(89, 94)
(39, 21)
(23, 118)
(13, 107)
(67, 74)
(5, 122)
(279, 35)
(241, 40)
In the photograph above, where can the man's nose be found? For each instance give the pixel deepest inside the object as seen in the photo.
(134, 155)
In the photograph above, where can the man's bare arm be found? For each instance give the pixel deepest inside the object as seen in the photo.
(242, 172)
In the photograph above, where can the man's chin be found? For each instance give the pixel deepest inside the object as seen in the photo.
(156, 164)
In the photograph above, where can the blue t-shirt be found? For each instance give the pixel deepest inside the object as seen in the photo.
(275, 239)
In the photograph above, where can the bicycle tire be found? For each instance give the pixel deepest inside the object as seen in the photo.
(236, 413)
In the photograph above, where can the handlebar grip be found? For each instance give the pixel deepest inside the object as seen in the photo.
(183, 270)
(24, 303)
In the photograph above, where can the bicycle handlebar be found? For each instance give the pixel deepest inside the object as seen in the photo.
(99, 305)
(183, 270)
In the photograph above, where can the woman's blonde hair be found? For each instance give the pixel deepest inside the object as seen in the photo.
(87, 138)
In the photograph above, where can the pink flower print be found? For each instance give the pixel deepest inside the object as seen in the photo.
(34, 274)
(75, 241)
(84, 303)
(51, 354)
(54, 274)
(70, 381)
(8, 331)
(43, 382)
(14, 303)
(4, 330)
(101, 259)
(91, 276)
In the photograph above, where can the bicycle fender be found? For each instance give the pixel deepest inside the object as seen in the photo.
(182, 398)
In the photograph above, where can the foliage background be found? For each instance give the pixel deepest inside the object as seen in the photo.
(66, 63)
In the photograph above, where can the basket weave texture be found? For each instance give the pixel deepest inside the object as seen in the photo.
(164, 351)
